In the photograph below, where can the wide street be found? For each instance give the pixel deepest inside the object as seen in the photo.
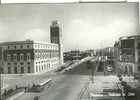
(66, 86)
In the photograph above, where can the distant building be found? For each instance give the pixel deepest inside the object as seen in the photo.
(89, 52)
(130, 54)
(108, 53)
(72, 55)
(77, 55)
(31, 56)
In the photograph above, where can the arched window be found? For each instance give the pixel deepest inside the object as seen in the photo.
(28, 56)
(21, 57)
(22, 69)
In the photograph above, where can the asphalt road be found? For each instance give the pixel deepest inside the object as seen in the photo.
(25, 80)
(64, 87)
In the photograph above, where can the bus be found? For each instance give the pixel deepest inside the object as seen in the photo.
(47, 82)
(41, 86)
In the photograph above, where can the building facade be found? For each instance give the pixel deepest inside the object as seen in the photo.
(130, 54)
(28, 57)
(31, 56)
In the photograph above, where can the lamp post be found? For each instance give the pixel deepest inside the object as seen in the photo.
(91, 72)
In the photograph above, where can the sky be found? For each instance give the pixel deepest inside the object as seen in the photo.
(84, 26)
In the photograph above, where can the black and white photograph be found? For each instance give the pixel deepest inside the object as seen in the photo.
(70, 51)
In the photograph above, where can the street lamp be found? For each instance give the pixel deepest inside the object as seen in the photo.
(89, 66)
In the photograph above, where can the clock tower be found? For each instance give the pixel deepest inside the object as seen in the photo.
(56, 37)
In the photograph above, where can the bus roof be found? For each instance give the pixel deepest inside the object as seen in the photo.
(44, 82)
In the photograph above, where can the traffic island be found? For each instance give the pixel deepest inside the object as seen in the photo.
(104, 88)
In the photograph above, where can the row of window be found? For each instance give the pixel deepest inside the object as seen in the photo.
(46, 46)
(16, 71)
(18, 46)
(39, 62)
(21, 57)
(40, 68)
(27, 57)
(45, 61)
(21, 63)
(28, 46)
(46, 55)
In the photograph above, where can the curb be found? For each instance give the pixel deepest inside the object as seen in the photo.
(15, 96)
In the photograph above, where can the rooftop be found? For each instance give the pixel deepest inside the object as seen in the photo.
(130, 37)
(28, 41)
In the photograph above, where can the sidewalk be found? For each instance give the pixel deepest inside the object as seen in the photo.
(131, 81)
(104, 87)
(109, 87)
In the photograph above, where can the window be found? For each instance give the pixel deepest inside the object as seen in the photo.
(9, 70)
(28, 46)
(35, 45)
(8, 57)
(29, 69)
(28, 56)
(15, 70)
(15, 57)
(22, 69)
(1, 70)
(21, 57)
